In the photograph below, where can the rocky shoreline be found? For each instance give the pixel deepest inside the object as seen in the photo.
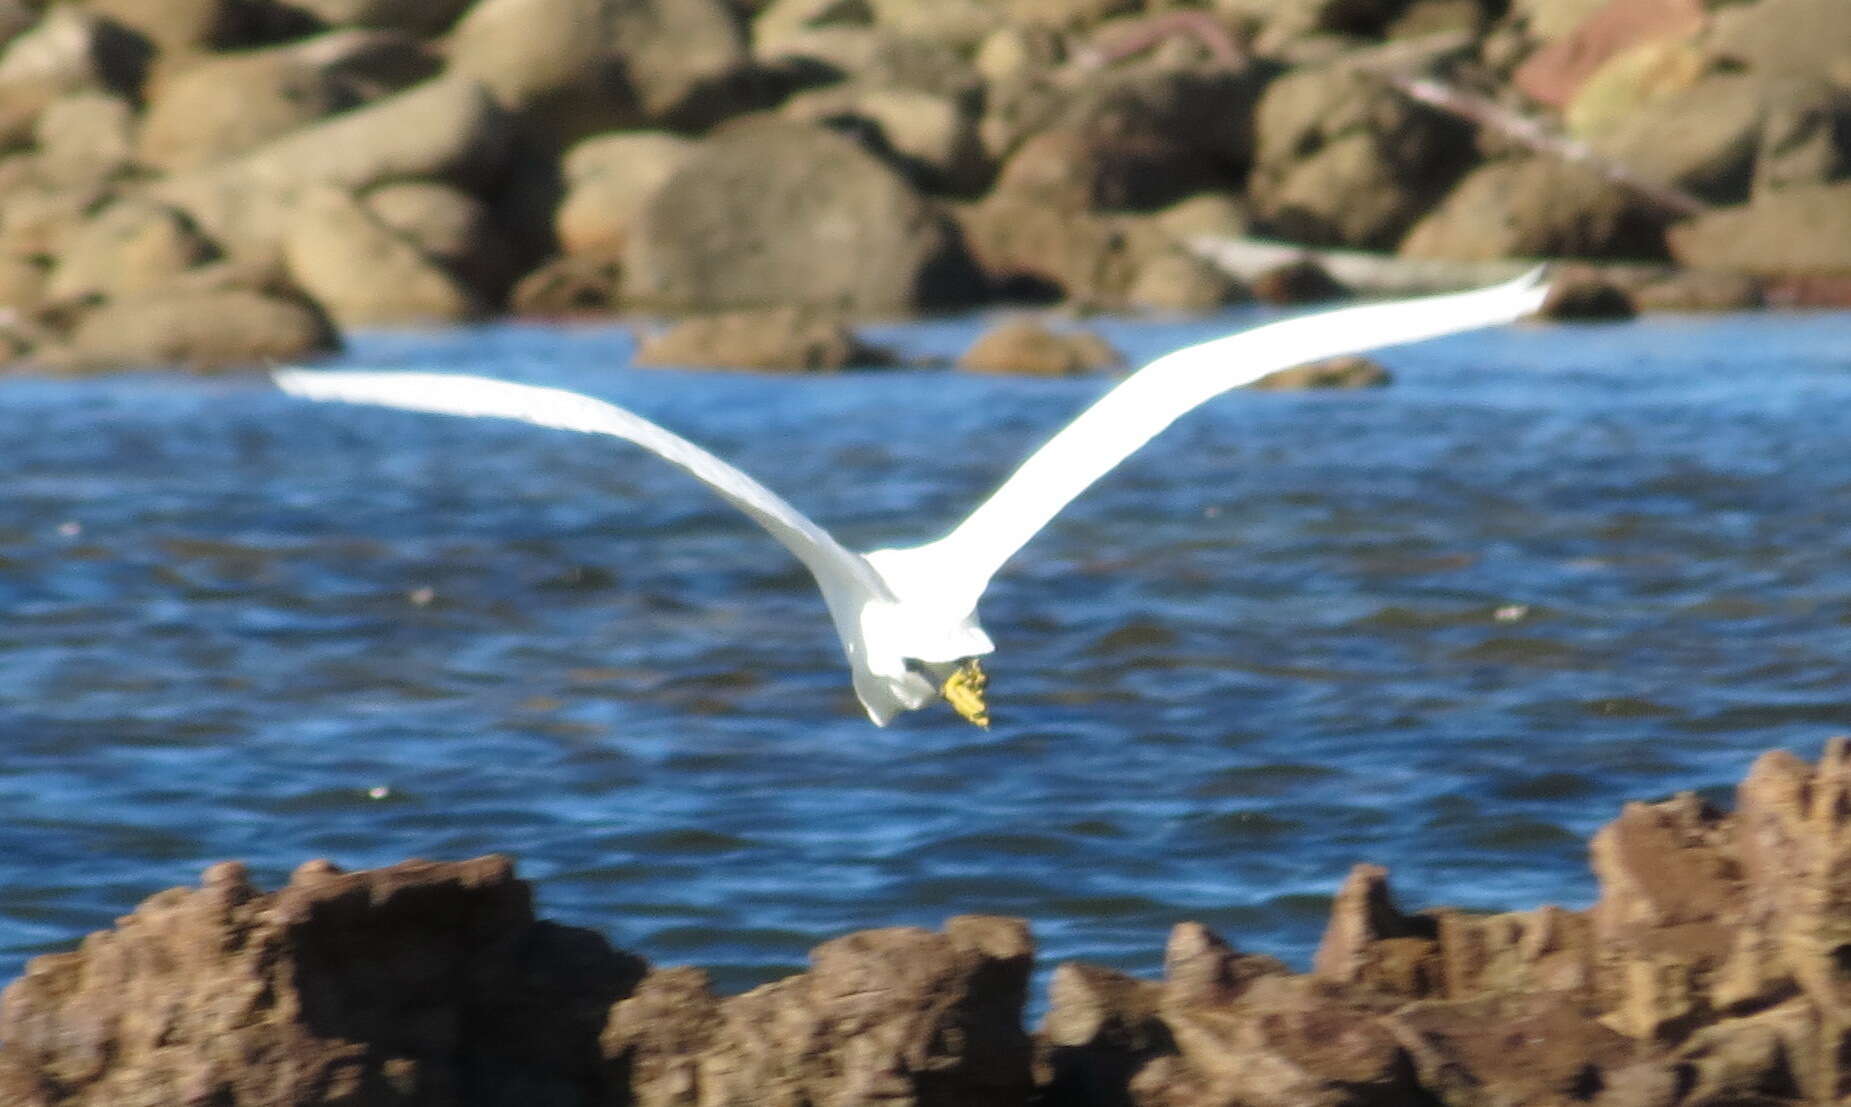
(228, 182)
(1711, 971)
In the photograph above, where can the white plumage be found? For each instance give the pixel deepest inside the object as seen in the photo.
(907, 617)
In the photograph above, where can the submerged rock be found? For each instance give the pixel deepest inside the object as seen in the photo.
(779, 338)
(1031, 348)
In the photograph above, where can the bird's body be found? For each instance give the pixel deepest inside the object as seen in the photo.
(907, 616)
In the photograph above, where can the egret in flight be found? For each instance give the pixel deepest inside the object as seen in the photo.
(907, 617)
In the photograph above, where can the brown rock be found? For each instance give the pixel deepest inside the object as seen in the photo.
(129, 248)
(197, 329)
(1794, 231)
(609, 179)
(1179, 281)
(1733, 130)
(85, 138)
(1698, 291)
(960, 24)
(362, 272)
(1033, 252)
(1555, 73)
(655, 1039)
(1543, 1048)
(575, 67)
(37, 220)
(1101, 1028)
(1132, 139)
(1586, 296)
(931, 138)
(899, 1016)
(777, 339)
(1342, 159)
(70, 50)
(1025, 346)
(1540, 208)
(1293, 1041)
(176, 27)
(420, 17)
(444, 130)
(222, 106)
(778, 213)
(564, 287)
(1368, 942)
(415, 983)
(22, 283)
(449, 226)
(1408, 965)
(1789, 38)
(1298, 282)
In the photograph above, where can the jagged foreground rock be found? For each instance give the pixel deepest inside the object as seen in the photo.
(1712, 971)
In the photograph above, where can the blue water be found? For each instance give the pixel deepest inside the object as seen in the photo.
(1449, 627)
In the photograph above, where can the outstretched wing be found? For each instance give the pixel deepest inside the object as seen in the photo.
(957, 568)
(448, 394)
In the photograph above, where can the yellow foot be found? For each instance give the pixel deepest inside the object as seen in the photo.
(963, 690)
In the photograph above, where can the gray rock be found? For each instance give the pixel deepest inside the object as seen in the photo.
(778, 213)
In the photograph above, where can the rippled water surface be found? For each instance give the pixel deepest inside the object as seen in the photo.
(1449, 627)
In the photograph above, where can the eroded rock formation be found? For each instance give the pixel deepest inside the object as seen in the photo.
(1712, 971)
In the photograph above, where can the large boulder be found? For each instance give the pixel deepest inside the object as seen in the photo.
(362, 272)
(449, 226)
(208, 329)
(1137, 137)
(1794, 231)
(898, 1016)
(1537, 207)
(575, 67)
(224, 105)
(1342, 159)
(774, 339)
(1730, 133)
(446, 130)
(777, 213)
(609, 179)
(417, 984)
(129, 248)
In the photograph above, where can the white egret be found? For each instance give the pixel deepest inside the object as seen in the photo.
(907, 617)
